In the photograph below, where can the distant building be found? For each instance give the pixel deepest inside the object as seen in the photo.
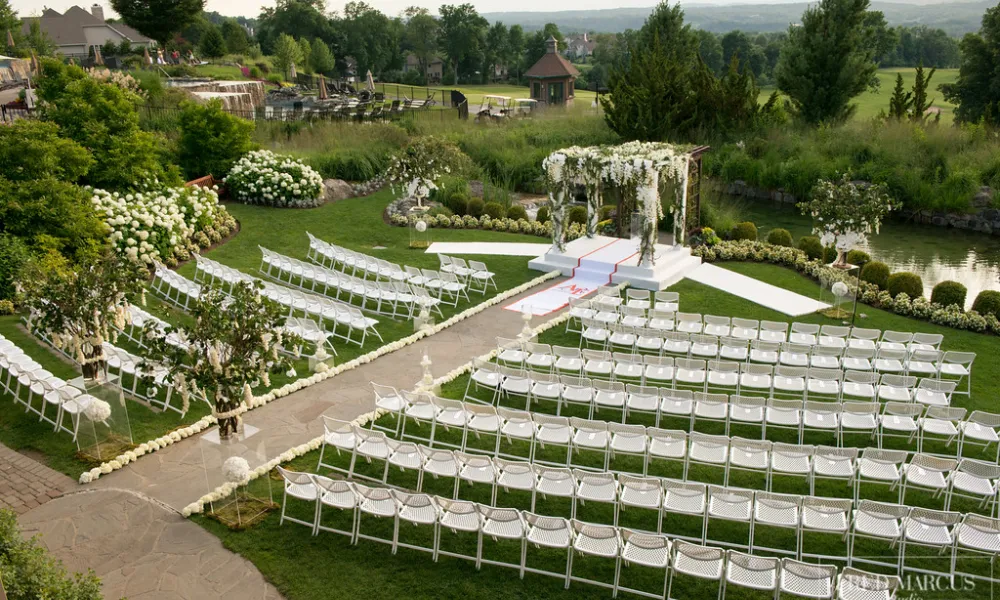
(435, 68)
(551, 79)
(580, 47)
(76, 31)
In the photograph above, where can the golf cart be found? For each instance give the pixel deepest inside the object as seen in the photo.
(494, 108)
(524, 107)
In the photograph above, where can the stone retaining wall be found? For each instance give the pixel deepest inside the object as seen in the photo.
(984, 217)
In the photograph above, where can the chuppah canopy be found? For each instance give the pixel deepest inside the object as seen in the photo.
(638, 170)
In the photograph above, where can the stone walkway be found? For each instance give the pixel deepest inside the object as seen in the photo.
(177, 475)
(141, 549)
(26, 483)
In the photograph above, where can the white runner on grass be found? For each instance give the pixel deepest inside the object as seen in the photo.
(593, 270)
(488, 248)
(754, 290)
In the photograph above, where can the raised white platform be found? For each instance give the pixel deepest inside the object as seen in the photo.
(613, 260)
(757, 291)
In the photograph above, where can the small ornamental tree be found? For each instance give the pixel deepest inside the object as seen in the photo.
(417, 169)
(231, 349)
(844, 213)
(79, 310)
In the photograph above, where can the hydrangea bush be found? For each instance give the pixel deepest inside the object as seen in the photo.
(919, 308)
(165, 226)
(263, 177)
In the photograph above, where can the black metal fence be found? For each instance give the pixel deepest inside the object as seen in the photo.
(9, 114)
(348, 113)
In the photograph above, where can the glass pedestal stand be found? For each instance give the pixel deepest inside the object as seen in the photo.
(841, 293)
(419, 232)
(250, 502)
(105, 430)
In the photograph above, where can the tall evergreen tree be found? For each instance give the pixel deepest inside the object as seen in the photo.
(920, 102)
(901, 100)
(236, 37)
(212, 44)
(977, 90)
(827, 61)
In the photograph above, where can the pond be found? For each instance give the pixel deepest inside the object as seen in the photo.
(934, 253)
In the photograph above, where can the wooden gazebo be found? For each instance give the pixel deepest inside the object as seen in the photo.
(551, 79)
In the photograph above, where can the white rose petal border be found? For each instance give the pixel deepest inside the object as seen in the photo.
(226, 489)
(205, 422)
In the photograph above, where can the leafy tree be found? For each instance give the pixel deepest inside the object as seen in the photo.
(9, 21)
(515, 47)
(921, 104)
(667, 23)
(297, 18)
(420, 35)
(496, 51)
(286, 53)
(109, 48)
(735, 43)
(14, 255)
(212, 44)
(536, 44)
(371, 38)
(320, 58)
(237, 41)
(977, 89)
(827, 61)
(881, 39)
(306, 49)
(709, 49)
(38, 40)
(124, 47)
(32, 149)
(233, 344)
(901, 100)
(212, 139)
(462, 33)
(158, 19)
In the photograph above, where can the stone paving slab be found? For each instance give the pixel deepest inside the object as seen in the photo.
(142, 549)
(26, 483)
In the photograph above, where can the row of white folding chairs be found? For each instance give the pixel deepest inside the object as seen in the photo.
(622, 545)
(327, 254)
(25, 380)
(710, 376)
(648, 443)
(325, 310)
(752, 329)
(611, 295)
(175, 288)
(700, 501)
(125, 364)
(310, 332)
(389, 297)
(446, 285)
(757, 368)
(136, 322)
(473, 273)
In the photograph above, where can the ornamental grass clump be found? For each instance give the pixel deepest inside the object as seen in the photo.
(269, 179)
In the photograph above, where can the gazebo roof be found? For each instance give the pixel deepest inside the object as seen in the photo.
(552, 64)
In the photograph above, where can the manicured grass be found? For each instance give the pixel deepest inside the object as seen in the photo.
(299, 564)
(870, 103)
(355, 223)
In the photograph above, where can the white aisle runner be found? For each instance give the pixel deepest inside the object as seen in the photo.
(593, 270)
(489, 248)
(751, 289)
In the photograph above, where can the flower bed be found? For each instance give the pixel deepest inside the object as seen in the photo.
(165, 226)
(871, 294)
(487, 223)
(263, 177)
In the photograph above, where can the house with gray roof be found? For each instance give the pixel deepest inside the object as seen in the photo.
(77, 30)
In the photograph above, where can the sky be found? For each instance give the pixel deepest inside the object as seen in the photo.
(251, 8)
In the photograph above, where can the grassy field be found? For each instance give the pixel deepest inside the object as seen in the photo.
(870, 103)
(355, 223)
(299, 564)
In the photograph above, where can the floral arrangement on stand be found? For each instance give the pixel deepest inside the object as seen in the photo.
(226, 489)
(421, 165)
(844, 213)
(871, 294)
(165, 226)
(263, 177)
(319, 376)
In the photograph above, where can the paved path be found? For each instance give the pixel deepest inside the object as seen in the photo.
(177, 475)
(142, 550)
(26, 483)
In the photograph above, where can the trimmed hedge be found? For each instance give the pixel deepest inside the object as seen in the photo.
(811, 245)
(859, 258)
(458, 202)
(607, 212)
(744, 231)
(494, 210)
(543, 215)
(947, 293)
(780, 237)
(876, 273)
(987, 303)
(516, 211)
(578, 214)
(475, 207)
(905, 282)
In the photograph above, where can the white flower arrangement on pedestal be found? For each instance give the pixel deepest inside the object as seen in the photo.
(323, 375)
(98, 411)
(163, 225)
(236, 470)
(263, 177)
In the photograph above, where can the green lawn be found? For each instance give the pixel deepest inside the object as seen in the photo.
(300, 564)
(355, 223)
(870, 103)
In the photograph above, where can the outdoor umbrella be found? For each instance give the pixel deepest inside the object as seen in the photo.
(72, 62)
(36, 65)
(98, 60)
(146, 58)
(370, 81)
(10, 39)
(322, 88)
(291, 73)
